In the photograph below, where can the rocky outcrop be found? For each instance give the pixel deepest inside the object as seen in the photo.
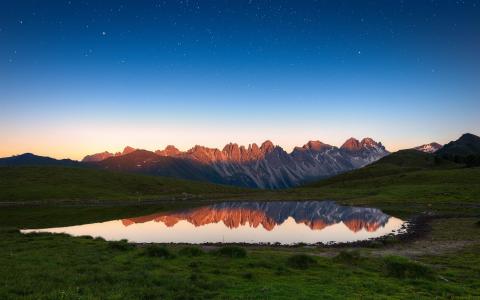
(429, 148)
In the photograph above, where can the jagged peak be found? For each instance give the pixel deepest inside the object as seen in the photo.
(230, 147)
(169, 150)
(315, 145)
(267, 146)
(128, 150)
(253, 147)
(351, 144)
(171, 147)
(368, 141)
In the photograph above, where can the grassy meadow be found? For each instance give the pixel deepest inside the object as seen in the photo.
(443, 262)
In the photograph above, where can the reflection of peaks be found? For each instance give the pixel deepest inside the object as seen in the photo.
(357, 225)
(314, 214)
(232, 218)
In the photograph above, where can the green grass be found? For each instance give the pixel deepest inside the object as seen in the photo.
(45, 183)
(231, 251)
(414, 186)
(57, 266)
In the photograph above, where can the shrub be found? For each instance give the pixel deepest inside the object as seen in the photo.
(375, 244)
(121, 245)
(248, 275)
(281, 270)
(191, 251)
(232, 251)
(158, 251)
(301, 261)
(401, 267)
(349, 257)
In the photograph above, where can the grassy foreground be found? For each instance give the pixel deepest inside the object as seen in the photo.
(442, 264)
(45, 266)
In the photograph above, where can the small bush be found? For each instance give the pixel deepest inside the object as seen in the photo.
(389, 239)
(349, 257)
(194, 277)
(158, 251)
(301, 261)
(248, 275)
(191, 251)
(260, 264)
(375, 244)
(401, 267)
(232, 251)
(281, 270)
(121, 245)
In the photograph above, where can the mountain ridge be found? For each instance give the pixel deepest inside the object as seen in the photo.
(266, 166)
(236, 152)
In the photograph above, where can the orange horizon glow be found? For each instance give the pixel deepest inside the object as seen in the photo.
(76, 146)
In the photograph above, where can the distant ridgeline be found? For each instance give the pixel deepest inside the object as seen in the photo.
(266, 166)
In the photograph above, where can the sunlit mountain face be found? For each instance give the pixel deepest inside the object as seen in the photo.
(267, 166)
(248, 222)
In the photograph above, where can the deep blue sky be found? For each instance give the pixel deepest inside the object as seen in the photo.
(85, 76)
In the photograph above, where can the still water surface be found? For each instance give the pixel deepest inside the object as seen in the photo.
(247, 222)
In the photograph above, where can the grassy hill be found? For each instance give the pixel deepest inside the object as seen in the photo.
(407, 176)
(38, 183)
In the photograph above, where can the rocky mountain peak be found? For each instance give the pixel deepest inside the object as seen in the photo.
(232, 152)
(368, 141)
(170, 150)
(204, 154)
(267, 146)
(315, 146)
(352, 144)
(128, 150)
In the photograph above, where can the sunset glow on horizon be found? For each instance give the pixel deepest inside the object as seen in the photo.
(79, 78)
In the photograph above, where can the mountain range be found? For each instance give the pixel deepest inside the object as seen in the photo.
(265, 166)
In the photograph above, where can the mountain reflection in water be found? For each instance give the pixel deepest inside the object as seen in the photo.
(248, 222)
